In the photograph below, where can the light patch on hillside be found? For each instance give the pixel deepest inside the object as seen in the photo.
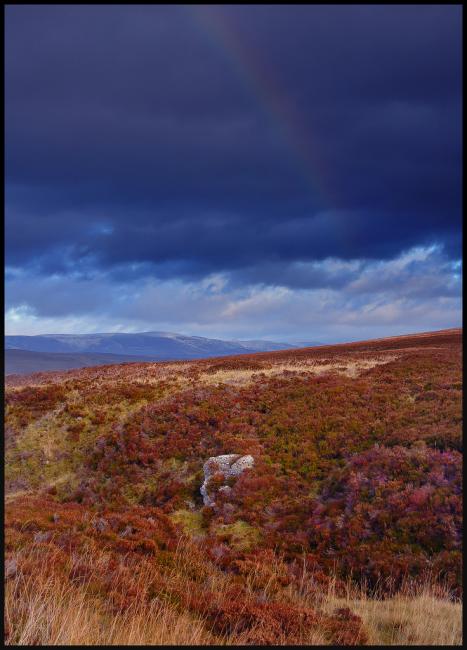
(344, 366)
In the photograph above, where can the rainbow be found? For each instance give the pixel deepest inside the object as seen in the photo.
(254, 73)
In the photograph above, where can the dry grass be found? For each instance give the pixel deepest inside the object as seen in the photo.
(413, 617)
(345, 366)
(419, 614)
(52, 614)
(418, 620)
(41, 608)
(44, 609)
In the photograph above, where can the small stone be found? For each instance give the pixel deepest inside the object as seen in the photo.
(229, 465)
(11, 568)
(219, 551)
(56, 518)
(100, 525)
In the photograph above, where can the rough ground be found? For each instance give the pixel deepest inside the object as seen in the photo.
(355, 492)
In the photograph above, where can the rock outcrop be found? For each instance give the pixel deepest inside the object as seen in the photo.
(229, 465)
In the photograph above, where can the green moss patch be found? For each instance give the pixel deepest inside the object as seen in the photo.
(240, 535)
(191, 522)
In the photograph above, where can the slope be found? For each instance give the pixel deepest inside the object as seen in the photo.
(357, 477)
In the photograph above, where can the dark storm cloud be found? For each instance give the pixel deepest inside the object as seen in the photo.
(191, 140)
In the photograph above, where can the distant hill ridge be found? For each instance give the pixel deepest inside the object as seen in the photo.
(25, 354)
(162, 344)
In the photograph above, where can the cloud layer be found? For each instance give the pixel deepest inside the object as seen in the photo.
(233, 170)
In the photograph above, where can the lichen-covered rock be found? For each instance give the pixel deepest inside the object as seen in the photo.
(229, 465)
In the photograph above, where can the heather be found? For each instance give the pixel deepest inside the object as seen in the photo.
(355, 489)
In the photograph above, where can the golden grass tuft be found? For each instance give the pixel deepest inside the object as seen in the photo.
(424, 616)
(43, 608)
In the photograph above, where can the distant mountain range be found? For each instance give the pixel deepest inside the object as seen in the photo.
(23, 362)
(62, 351)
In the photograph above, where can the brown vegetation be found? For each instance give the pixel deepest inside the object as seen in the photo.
(347, 531)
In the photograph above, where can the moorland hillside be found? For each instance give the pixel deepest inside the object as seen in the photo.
(345, 527)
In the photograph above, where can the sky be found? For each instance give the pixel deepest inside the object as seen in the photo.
(281, 172)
